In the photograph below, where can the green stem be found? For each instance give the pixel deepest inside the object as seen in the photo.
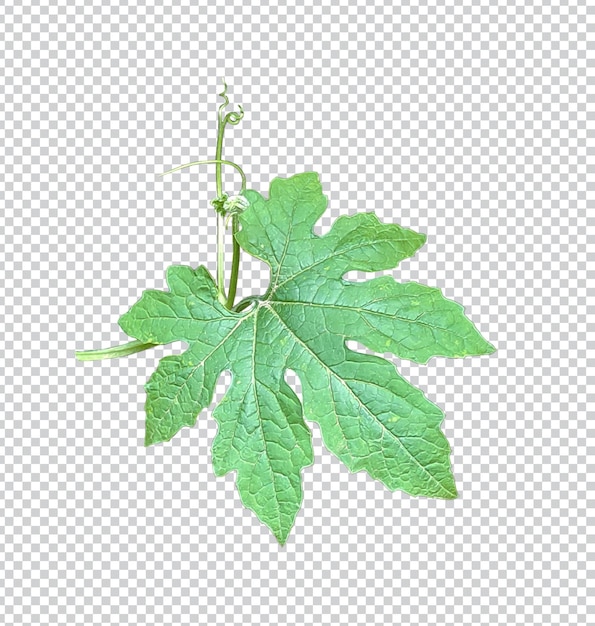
(220, 218)
(114, 352)
(235, 265)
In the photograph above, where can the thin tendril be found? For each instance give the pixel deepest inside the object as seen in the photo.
(210, 161)
(223, 94)
(232, 118)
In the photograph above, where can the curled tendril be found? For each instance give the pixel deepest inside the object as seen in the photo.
(232, 118)
(223, 94)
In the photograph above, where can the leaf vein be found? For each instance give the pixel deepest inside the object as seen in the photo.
(363, 406)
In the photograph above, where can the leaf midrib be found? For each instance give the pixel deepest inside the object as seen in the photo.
(364, 407)
(367, 311)
(262, 434)
(174, 400)
(335, 253)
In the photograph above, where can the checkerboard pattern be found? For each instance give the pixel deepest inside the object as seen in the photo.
(468, 121)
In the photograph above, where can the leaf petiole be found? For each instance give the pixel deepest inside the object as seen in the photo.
(245, 303)
(235, 265)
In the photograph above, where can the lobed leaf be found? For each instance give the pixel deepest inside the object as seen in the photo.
(370, 417)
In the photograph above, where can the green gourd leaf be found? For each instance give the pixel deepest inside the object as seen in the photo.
(370, 417)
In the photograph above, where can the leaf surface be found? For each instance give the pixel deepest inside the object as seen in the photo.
(369, 416)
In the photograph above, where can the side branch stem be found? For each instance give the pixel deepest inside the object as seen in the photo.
(132, 347)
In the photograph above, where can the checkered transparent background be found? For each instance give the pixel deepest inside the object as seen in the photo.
(469, 121)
